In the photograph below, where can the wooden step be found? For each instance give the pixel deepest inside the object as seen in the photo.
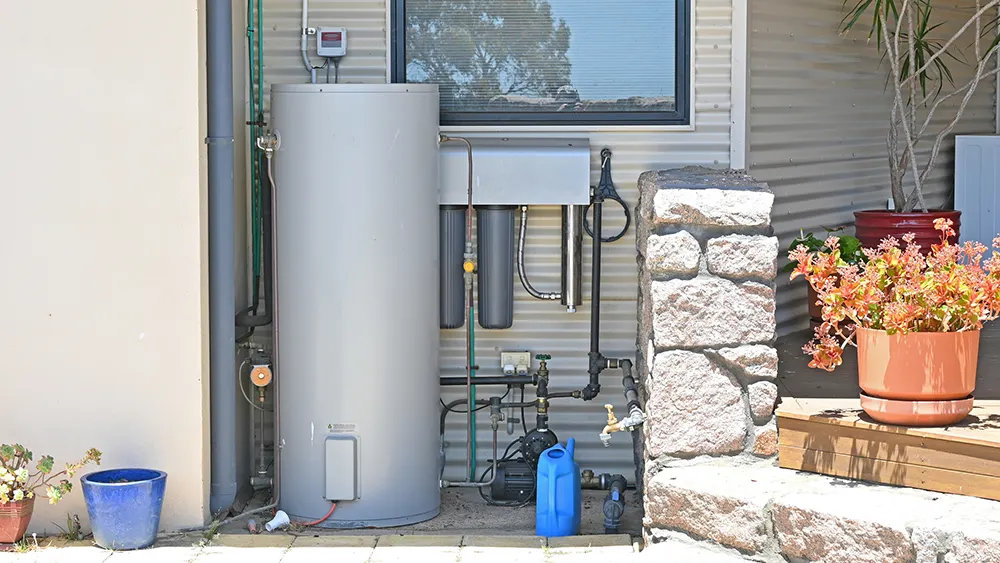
(835, 437)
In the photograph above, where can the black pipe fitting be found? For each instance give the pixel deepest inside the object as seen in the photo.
(542, 406)
(479, 380)
(567, 395)
(248, 317)
(614, 502)
(597, 365)
(628, 383)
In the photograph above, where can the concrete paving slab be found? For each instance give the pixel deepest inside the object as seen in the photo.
(683, 552)
(342, 549)
(406, 549)
(340, 554)
(418, 541)
(75, 552)
(503, 549)
(191, 539)
(335, 541)
(502, 555)
(285, 548)
(584, 547)
(56, 541)
(261, 540)
(156, 555)
(504, 541)
(240, 555)
(322, 554)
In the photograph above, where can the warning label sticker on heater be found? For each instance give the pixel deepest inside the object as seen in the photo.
(342, 428)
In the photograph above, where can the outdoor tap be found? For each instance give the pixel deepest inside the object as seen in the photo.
(543, 367)
(609, 428)
(635, 418)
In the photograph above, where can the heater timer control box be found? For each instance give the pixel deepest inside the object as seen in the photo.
(331, 42)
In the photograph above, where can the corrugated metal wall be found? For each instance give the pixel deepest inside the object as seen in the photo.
(543, 327)
(818, 117)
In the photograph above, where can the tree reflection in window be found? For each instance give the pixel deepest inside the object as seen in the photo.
(547, 56)
(481, 51)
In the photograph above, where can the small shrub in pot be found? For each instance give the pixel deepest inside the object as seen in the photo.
(20, 484)
(915, 318)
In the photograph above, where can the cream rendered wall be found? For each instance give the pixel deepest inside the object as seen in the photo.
(544, 327)
(105, 281)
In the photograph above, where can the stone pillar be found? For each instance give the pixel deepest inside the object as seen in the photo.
(708, 367)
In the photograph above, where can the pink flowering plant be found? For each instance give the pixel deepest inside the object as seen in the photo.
(19, 482)
(899, 290)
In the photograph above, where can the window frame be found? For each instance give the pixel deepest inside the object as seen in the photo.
(681, 116)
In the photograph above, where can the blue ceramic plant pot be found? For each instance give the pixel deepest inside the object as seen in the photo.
(124, 506)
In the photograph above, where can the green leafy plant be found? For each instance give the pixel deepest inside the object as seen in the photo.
(921, 40)
(26, 545)
(73, 530)
(850, 247)
(18, 482)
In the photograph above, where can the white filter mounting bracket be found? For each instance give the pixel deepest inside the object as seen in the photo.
(511, 171)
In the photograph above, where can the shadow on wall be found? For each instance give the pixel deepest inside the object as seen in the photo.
(797, 379)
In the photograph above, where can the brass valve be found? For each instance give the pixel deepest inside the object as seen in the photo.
(629, 423)
(611, 415)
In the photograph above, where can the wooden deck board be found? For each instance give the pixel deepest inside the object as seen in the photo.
(834, 437)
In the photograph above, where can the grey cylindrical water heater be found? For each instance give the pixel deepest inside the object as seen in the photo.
(495, 246)
(356, 179)
(453, 232)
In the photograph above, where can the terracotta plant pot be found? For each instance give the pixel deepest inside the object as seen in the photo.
(14, 519)
(872, 226)
(911, 372)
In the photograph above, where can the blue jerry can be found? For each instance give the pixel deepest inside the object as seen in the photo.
(557, 511)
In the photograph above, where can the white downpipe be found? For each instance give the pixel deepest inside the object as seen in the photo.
(305, 42)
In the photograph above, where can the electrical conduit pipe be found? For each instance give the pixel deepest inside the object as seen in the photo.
(305, 42)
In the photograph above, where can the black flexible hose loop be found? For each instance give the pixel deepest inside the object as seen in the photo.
(606, 191)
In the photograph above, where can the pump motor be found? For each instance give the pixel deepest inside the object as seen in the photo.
(515, 482)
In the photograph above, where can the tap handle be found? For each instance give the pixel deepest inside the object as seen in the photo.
(611, 414)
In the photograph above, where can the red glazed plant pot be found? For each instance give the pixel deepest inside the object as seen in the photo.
(815, 310)
(872, 226)
(14, 519)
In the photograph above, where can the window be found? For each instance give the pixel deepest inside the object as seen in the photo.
(548, 62)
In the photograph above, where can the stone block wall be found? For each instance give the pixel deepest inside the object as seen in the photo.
(708, 367)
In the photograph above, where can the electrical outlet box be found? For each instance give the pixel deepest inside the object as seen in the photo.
(515, 363)
(331, 42)
(342, 467)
